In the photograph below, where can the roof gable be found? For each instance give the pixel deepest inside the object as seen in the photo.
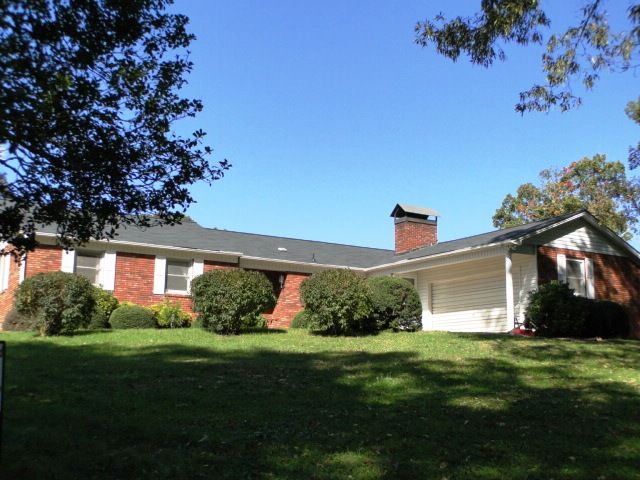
(577, 235)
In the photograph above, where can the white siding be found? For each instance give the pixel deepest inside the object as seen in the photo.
(525, 280)
(467, 297)
(577, 236)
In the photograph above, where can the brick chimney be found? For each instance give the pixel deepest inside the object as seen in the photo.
(416, 227)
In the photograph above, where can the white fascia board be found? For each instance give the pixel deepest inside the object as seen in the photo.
(303, 264)
(406, 266)
(154, 246)
(550, 227)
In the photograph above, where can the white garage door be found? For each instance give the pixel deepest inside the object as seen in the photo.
(470, 305)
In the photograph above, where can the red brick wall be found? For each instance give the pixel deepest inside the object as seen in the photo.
(43, 259)
(616, 278)
(411, 235)
(289, 303)
(134, 283)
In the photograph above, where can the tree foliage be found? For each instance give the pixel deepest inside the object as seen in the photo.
(89, 92)
(593, 183)
(579, 55)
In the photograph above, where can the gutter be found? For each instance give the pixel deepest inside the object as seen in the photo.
(310, 264)
(412, 261)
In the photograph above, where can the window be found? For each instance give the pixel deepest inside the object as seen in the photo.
(88, 265)
(178, 275)
(576, 277)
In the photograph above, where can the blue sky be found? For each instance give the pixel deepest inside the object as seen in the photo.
(331, 115)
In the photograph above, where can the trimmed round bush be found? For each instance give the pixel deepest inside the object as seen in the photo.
(59, 302)
(132, 316)
(396, 304)
(301, 320)
(555, 311)
(105, 304)
(170, 315)
(231, 300)
(16, 322)
(338, 302)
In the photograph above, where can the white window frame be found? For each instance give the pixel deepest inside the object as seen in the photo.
(581, 279)
(189, 276)
(100, 267)
(586, 268)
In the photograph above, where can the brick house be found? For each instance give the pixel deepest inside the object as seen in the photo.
(476, 284)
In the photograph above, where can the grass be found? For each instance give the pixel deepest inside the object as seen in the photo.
(186, 404)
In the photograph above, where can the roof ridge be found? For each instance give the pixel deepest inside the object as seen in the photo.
(293, 238)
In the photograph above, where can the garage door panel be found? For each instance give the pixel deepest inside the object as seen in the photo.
(476, 305)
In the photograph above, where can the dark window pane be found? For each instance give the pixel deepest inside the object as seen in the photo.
(177, 268)
(87, 261)
(177, 283)
(90, 274)
(574, 269)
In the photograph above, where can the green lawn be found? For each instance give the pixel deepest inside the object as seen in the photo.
(186, 404)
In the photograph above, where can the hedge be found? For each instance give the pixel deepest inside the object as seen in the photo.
(231, 300)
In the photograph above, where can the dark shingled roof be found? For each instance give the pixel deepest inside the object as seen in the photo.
(483, 239)
(193, 236)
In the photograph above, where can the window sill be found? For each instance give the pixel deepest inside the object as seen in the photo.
(176, 293)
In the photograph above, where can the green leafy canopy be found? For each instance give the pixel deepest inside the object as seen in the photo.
(89, 92)
(580, 54)
(595, 184)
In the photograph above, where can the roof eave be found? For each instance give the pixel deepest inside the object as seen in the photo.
(156, 246)
(411, 261)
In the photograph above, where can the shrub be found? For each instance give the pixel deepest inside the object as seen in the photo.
(396, 304)
(132, 316)
(59, 302)
(555, 311)
(301, 320)
(338, 302)
(229, 300)
(105, 303)
(16, 322)
(170, 315)
(254, 322)
(606, 319)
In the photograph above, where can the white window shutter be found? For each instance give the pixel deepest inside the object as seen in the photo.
(108, 271)
(562, 268)
(198, 268)
(159, 275)
(6, 271)
(23, 269)
(590, 277)
(68, 261)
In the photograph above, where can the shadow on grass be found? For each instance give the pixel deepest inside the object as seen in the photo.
(174, 411)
